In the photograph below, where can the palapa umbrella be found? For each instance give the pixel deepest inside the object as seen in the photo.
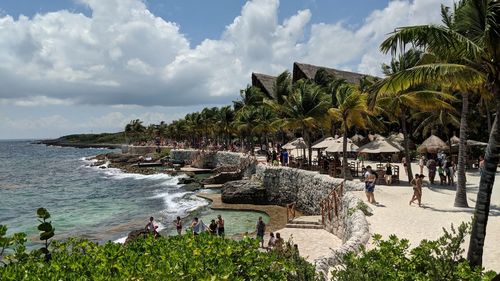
(324, 143)
(432, 144)
(338, 147)
(397, 137)
(297, 143)
(375, 137)
(357, 138)
(472, 143)
(379, 146)
(454, 140)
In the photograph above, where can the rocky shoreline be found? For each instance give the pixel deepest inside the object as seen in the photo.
(65, 143)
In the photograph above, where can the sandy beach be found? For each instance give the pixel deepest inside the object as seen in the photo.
(393, 215)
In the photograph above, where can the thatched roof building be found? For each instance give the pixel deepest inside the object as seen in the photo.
(308, 71)
(264, 82)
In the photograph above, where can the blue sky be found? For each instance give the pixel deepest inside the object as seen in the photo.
(70, 66)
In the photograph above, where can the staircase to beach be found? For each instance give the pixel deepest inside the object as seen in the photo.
(305, 222)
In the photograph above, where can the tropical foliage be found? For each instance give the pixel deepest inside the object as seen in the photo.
(392, 259)
(186, 257)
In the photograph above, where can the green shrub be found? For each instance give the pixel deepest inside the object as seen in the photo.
(186, 257)
(393, 260)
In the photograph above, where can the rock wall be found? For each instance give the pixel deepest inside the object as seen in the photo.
(285, 185)
(211, 160)
(351, 226)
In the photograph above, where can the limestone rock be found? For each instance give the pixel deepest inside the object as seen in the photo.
(244, 192)
(222, 178)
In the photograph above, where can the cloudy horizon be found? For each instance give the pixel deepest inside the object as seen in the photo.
(92, 66)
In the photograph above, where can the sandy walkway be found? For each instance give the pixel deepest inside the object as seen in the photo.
(395, 216)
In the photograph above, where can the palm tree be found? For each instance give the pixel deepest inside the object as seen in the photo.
(305, 109)
(351, 110)
(244, 123)
(442, 120)
(398, 104)
(329, 85)
(265, 123)
(224, 119)
(475, 38)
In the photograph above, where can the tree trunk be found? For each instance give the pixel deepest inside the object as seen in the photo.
(406, 147)
(476, 244)
(345, 169)
(461, 194)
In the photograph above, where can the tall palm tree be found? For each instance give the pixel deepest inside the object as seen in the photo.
(244, 123)
(351, 110)
(398, 104)
(475, 37)
(305, 108)
(265, 125)
(443, 120)
(329, 84)
(224, 118)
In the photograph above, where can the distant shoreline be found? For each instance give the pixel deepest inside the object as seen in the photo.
(64, 143)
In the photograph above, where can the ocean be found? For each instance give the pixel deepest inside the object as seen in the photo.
(89, 202)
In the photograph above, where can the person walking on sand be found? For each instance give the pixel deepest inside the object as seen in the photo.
(261, 229)
(431, 166)
(178, 225)
(388, 173)
(370, 179)
(421, 164)
(413, 183)
(220, 226)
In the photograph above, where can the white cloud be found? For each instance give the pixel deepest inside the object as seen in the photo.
(125, 55)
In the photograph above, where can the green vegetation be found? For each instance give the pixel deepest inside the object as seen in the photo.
(392, 259)
(360, 206)
(187, 257)
(108, 138)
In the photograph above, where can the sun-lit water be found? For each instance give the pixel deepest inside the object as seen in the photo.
(99, 204)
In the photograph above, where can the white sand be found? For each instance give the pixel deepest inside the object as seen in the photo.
(395, 216)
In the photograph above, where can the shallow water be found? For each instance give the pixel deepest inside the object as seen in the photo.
(99, 204)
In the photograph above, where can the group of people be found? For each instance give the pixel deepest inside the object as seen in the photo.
(442, 165)
(276, 158)
(216, 226)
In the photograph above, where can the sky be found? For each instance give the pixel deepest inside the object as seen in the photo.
(91, 66)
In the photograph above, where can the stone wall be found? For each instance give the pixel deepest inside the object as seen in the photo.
(211, 160)
(351, 226)
(285, 185)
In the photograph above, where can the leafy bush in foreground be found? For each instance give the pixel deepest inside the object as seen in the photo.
(392, 260)
(186, 257)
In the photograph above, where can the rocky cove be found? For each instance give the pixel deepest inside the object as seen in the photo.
(247, 182)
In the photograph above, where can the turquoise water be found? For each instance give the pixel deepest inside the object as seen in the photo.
(99, 204)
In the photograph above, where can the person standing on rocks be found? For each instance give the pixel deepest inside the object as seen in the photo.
(178, 225)
(220, 225)
(151, 227)
(261, 229)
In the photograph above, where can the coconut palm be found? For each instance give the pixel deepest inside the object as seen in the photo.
(224, 119)
(397, 105)
(351, 111)
(266, 124)
(330, 85)
(305, 109)
(244, 123)
(443, 120)
(474, 37)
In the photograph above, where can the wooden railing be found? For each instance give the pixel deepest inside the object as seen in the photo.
(331, 204)
(290, 211)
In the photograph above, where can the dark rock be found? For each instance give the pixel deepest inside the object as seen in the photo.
(226, 168)
(222, 178)
(134, 234)
(192, 186)
(186, 180)
(244, 192)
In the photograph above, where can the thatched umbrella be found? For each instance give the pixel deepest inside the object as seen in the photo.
(398, 138)
(379, 146)
(472, 143)
(454, 140)
(297, 143)
(432, 144)
(357, 139)
(338, 147)
(324, 143)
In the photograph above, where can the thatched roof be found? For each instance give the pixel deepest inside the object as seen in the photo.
(308, 71)
(432, 144)
(297, 143)
(264, 82)
(379, 146)
(338, 147)
(326, 142)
